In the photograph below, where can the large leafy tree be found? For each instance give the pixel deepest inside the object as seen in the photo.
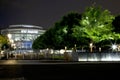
(116, 24)
(68, 22)
(60, 35)
(96, 24)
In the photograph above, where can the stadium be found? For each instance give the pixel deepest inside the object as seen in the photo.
(21, 37)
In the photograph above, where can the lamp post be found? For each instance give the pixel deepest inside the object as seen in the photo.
(114, 47)
(75, 47)
(66, 54)
(10, 41)
(65, 48)
(91, 46)
(99, 49)
(9, 36)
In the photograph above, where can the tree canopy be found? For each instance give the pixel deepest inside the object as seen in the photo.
(96, 24)
(60, 35)
(116, 24)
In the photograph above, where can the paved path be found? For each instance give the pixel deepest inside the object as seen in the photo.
(51, 62)
(48, 70)
(21, 78)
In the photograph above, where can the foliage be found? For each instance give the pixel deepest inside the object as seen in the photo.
(3, 41)
(95, 25)
(116, 24)
(60, 34)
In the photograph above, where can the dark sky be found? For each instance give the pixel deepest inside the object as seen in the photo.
(46, 12)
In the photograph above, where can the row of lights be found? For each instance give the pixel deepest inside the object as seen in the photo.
(114, 46)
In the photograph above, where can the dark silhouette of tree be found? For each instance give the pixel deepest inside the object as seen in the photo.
(60, 35)
(116, 24)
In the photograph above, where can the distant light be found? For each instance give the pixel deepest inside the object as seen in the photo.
(47, 49)
(62, 51)
(10, 62)
(114, 46)
(82, 59)
(9, 36)
(91, 44)
(51, 51)
(29, 31)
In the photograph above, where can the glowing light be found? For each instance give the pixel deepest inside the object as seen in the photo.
(2, 52)
(114, 47)
(82, 59)
(29, 31)
(62, 51)
(91, 44)
(51, 51)
(9, 36)
(11, 62)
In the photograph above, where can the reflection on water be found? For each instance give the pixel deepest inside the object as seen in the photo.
(98, 56)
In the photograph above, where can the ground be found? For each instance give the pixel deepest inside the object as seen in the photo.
(58, 70)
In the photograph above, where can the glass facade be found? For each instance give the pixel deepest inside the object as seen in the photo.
(22, 36)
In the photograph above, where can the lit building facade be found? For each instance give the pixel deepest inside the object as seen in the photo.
(22, 36)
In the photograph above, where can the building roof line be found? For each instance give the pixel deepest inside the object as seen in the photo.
(29, 26)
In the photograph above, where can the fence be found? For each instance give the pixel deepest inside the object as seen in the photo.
(69, 56)
(31, 56)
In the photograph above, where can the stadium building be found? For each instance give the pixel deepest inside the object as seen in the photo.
(22, 36)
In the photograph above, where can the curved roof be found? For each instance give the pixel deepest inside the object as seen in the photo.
(25, 26)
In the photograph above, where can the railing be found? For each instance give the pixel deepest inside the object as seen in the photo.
(68, 56)
(33, 56)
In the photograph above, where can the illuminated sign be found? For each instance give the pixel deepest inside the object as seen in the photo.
(29, 31)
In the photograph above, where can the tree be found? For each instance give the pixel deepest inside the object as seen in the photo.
(69, 22)
(3, 41)
(60, 35)
(116, 24)
(95, 25)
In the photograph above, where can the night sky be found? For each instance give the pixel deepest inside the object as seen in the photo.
(46, 12)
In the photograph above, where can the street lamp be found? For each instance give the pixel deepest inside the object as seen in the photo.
(114, 47)
(9, 36)
(65, 48)
(91, 46)
(10, 40)
(75, 47)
